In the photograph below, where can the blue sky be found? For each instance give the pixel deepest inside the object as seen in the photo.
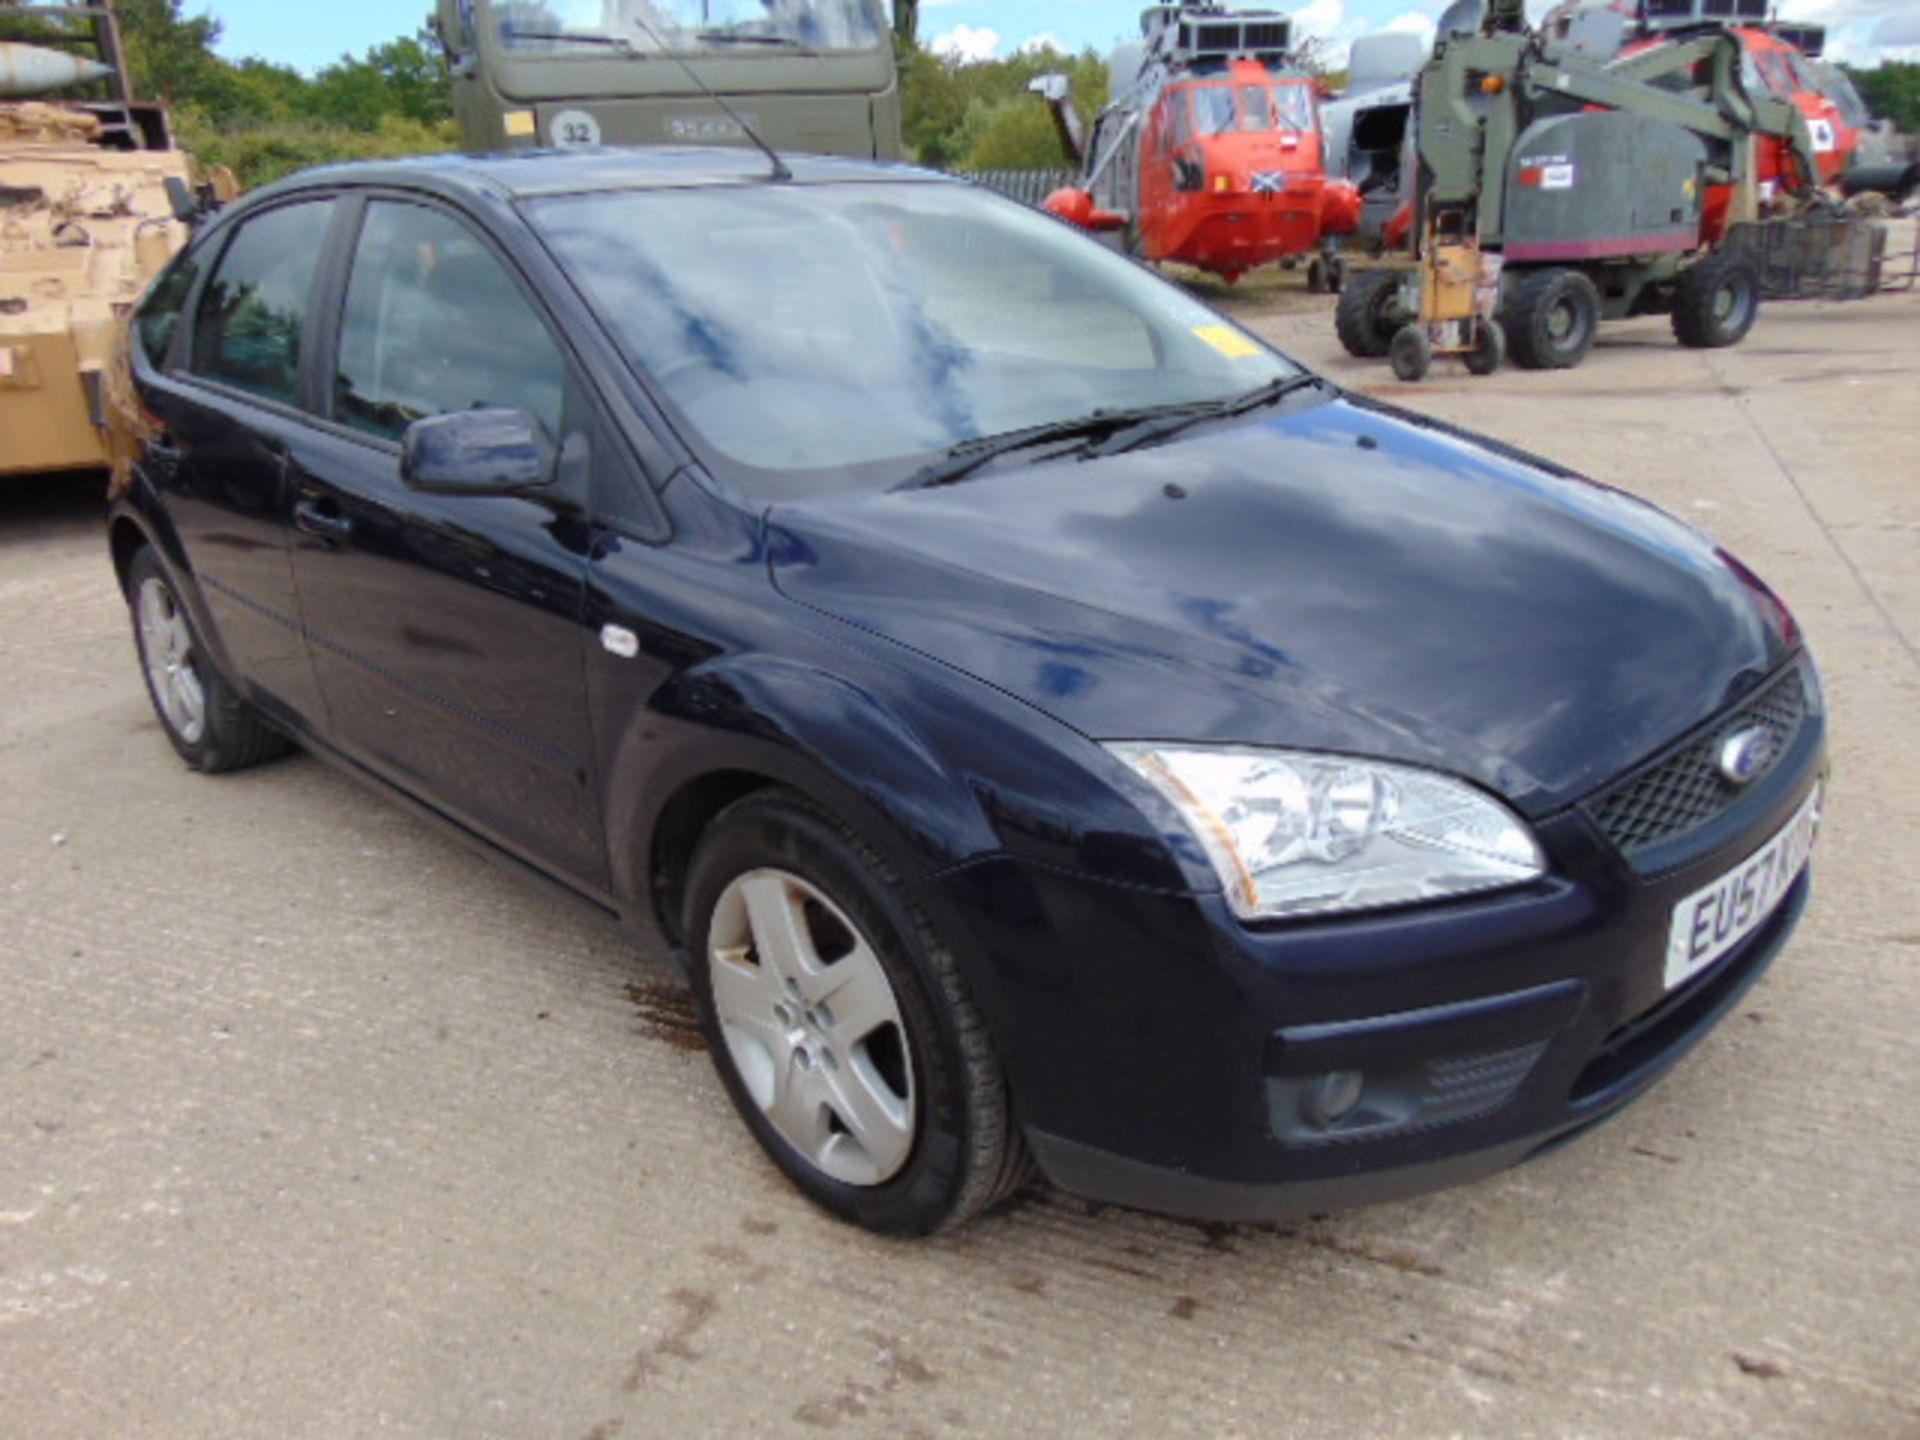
(311, 35)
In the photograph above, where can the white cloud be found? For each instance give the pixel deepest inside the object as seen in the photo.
(1045, 40)
(967, 43)
(1412, 22)
(1861, 32)
(1319, 18)
(1898, 30)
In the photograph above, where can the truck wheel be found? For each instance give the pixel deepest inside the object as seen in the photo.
(1551, 319)
(1489, 351)
(205, 719)
(1715, 302)
(841, 1026)
(1411, 354)
(1368, 313)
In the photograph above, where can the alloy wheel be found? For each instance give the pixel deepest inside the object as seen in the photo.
(813, 1026)
(166, 647)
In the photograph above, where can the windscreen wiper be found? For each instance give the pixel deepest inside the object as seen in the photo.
(969, 455)
(747, 37)
(560, 37)
(1178, 418)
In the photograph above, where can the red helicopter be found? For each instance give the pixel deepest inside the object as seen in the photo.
(1211, 153)
(1781, 59)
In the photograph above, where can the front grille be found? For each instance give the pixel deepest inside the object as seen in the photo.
(1684, 791)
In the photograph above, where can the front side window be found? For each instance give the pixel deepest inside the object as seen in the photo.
(689, 26)
(813, 338)
(434, 323)
(254, 311)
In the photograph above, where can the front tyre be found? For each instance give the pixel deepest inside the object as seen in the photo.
(205, 719)
(1550, 319)
(1489, 350)
(841, 1027)
(1369, 313)
(1411, 355)
(1715, 302)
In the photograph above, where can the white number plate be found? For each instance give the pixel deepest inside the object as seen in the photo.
(1710, 922)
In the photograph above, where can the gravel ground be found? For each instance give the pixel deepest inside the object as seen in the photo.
(316, 1125)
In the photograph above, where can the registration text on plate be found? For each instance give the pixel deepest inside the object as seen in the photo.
(1711, 921)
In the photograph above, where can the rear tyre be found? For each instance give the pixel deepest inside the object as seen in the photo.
(1551, 319)
(1368, 313)
(841, 1027)
(204, 718)
(1411, 354)
(1715, 302)
(1489, 351)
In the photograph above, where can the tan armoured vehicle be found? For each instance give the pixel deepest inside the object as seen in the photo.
(86, 220)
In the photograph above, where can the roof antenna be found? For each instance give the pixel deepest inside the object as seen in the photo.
(780, 170)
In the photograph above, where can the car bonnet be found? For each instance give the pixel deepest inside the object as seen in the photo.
(1336, 577)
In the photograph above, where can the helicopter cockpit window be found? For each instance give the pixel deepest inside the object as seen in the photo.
(1293, 106)
(707, 27)
(1773, 73)
(1214, 110)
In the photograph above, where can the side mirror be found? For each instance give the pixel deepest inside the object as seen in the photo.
(476, 452)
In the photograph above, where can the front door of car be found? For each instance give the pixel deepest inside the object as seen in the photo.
(447, 629)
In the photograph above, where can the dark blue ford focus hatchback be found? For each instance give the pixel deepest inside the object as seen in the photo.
(1051, 726)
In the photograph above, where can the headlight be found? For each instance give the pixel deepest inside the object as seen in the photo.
(1294, 834)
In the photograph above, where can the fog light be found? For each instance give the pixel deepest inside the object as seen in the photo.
(1332, 1098)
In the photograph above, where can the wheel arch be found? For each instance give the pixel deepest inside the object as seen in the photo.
(717, 734)
(125, 539)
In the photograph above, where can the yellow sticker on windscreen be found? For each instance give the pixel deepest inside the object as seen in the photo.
(1227, 341)
(519, 122)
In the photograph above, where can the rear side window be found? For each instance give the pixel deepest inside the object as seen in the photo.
(159, 317)
(435, 323)
(255, 307)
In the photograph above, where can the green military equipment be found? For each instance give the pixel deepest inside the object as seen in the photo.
(808, 76)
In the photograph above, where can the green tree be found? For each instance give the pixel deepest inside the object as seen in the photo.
(933, 103)
(1017, 135)
(405, 77)
(951, 108)
(171, 54)
(1892, 92)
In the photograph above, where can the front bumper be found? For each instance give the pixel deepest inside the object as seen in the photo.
(1618, 1073)
(1164, 1055)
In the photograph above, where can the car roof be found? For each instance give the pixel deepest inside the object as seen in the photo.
(521, 174)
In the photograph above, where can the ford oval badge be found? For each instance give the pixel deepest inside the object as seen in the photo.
(1744, 754)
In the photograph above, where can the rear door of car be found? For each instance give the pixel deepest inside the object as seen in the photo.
(447, 630)
(228, 383)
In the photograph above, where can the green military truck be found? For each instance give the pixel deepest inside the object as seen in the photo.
(810, 76)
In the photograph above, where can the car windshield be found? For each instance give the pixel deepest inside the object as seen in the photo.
(690, 26)
(819, 337)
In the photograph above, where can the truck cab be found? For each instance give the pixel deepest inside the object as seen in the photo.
(810, 76)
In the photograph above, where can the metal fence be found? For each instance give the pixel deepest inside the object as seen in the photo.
(1822, 257)
(1030, 187)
